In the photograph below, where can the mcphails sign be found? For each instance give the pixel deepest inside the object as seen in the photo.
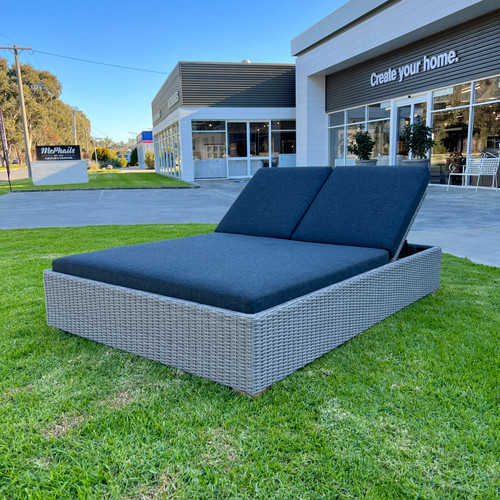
(55, 153)
(414, 68)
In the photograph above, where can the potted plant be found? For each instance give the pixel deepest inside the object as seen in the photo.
(418, 139)
(362, 147)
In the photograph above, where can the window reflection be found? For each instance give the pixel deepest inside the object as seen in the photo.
(486, 130)
(237, 139)
(487, 90)
(356, 115)
(380, 133)
(452, 97)
(337, 144)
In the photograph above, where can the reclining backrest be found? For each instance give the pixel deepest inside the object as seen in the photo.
(366, 206)
(274, 201)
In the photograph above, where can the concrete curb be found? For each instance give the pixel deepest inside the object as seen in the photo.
(101, 189)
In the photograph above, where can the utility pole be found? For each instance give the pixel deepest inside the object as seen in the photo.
(15, 48)
(74, 128)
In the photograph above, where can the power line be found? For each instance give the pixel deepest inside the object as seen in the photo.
(5, 36)
(101, 63)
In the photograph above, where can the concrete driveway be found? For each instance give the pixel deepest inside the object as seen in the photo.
(462, 222)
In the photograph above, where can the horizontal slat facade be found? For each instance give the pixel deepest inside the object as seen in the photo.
(477, 44)
(237, 85)
(168, 89)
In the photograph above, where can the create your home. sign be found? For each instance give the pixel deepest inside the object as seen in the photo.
(428, 63)
(54, 153)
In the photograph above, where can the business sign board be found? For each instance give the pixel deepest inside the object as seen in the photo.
(174, 99)
(58, 153)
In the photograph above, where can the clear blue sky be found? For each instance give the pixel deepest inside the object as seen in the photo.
(153, 35)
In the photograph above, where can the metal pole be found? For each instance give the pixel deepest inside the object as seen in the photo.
(23, 112)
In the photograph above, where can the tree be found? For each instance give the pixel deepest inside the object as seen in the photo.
(50, 121)
(133, 157)
(149, 159)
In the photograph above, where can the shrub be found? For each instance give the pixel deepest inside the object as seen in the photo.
(133, 157)
(149, 159)
(102, 154)
(92, 165)
(123, 162)
(111, 162)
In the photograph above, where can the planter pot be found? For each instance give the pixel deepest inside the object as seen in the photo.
(420, 162)
(366, 162)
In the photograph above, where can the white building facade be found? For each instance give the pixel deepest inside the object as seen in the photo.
(224, 120)
(376, 65)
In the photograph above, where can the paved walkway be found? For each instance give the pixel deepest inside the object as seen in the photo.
(462, 222)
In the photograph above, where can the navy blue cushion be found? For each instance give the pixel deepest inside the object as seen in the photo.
(366, 206)
(232, 271)
(274, 201)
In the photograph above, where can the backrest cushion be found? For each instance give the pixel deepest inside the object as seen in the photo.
(274, 201)
(366, 206)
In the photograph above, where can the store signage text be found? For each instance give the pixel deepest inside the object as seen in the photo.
(51, 153)
(174, 99)
(414, 68)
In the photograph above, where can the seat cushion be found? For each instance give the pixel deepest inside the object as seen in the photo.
(238, 272)
(366, 206)
(274, 201)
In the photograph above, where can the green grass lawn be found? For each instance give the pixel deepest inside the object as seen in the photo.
(102, 180)
(408, 409)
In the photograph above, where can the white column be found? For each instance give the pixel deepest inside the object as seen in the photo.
(312, 132)
(186, 149)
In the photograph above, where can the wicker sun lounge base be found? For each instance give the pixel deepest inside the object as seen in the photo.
(247, 352)
(304, 260)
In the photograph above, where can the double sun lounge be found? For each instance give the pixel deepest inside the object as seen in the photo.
(304, 260)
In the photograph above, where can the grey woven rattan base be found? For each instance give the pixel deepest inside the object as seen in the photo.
(247, 352)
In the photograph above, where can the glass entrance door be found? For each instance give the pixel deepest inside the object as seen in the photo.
(407, 112)
(248, 147)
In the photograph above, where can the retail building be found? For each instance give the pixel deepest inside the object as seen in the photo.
(143, 145)
(377, 65)
(224, 120)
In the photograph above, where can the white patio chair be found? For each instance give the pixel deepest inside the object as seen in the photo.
(487, 164)
(490, 166)
(472, 168)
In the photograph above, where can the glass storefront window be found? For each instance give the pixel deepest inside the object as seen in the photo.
(380, 133)
(351, 130)
(452, 97)
(356, 115)
(451, 129)
(486, 129)
(336, 119)
(337, 144)
(237, 139)
(167, 151)
(207, 146)
(465, 120)
(379, 111)
(208, 125)
(283, 125)
(283, 143)
(487, 90)
(259, 139)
